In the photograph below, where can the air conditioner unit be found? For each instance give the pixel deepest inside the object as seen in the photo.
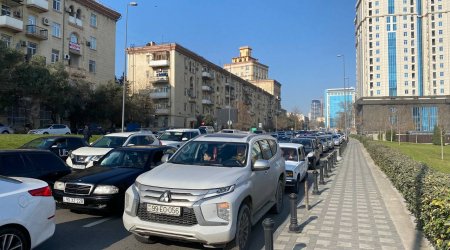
(66, 57)
(45, 21)
(23, 43)
(17, 14)
(88, 43)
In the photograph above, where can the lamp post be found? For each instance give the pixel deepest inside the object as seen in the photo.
(125, 65)
(345, 97)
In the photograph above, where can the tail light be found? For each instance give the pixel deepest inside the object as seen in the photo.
(44, 191)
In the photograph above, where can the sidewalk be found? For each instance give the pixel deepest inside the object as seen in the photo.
(357, 209)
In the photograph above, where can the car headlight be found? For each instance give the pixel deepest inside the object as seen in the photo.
(106, 189)
(137, 185)
(59, 185)
(289, 174)
(310, 154)
(219, 191)
(223, 210)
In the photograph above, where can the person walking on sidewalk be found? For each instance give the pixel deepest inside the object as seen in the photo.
(86, 133)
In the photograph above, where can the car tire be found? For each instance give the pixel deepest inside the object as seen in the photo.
(279, 199)
(243, 230)
(68, 133)
(45, 133)
(145, 239)
(17, 237)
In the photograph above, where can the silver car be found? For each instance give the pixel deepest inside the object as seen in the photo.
(4, 129)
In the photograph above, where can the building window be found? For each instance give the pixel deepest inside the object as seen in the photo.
(6, 10)
(55, 56)
(425, 118)
(6, 39)
(56, 30)
(57, 5)
(92, 66)
(93, 20)
(32, 48)
(93, 43)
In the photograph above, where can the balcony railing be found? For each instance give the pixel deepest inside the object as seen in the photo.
(75, 21)
(159, 63)
(37, 32)
(159, 94)
(207, 75)
(11, 23)
(207, 102)
(162, 111)
(159, 79)
(207, 88)
(38, 5)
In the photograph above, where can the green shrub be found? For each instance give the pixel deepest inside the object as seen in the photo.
(427, 192)
(436, 140)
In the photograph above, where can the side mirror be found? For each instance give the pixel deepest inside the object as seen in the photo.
(261, 165)
(166, 158)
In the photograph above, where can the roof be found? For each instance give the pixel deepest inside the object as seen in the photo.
(290, 145)
(127, 134)
(100, 8)
(231, 137)
(183, 130)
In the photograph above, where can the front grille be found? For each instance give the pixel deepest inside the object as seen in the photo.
(187, 217)
(78, 188)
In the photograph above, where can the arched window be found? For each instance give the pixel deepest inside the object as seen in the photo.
(73, 38)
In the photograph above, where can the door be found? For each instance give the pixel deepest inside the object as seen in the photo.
(31, 28)
(259, 179)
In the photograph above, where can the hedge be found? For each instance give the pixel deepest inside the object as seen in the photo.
(427, 192)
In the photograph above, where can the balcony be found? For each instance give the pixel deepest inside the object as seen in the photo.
(11, 23)
(207, 75)
(159, 79)
(75, 48)
(159, 63)
(160, 94)
(38, 5)
(162, 111)
(207, 102)
(37, 32)
(75, 21)
(230, 85)
(207, 88)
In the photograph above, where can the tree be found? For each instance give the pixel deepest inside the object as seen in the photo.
(9, 60)
(436, 139)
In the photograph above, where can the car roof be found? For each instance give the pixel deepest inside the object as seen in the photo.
(25, 150)
(290, 145)
(183, 130)
(231, 137)
(128, 134)
(143, 148)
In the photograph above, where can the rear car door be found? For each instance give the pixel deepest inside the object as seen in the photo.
(13, 164)
(50, 167)
(259, 179)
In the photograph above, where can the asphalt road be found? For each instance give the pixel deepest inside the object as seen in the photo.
(93, 231)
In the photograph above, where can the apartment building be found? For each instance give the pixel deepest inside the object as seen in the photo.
(402, 51)
(250, 69)
(184, 86)
(338, 105)
(316, 109)
(80, 33)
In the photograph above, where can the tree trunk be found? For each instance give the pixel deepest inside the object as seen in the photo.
(442, 144)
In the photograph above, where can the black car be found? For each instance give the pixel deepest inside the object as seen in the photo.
(60, 145)
(311, 150)
(103, 186)
(32, 163)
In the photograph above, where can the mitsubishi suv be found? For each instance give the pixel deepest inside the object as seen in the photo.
(211, 191)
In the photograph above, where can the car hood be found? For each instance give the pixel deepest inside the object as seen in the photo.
(91, 151)
(104, 175)
(291, 165)
(181, 176)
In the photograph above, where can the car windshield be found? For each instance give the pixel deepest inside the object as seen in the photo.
(109, 142)
(46, 126)
(306, 143)
(221, 154)
(125, 159)
(171, 136)
(39, 143)
(290, 154)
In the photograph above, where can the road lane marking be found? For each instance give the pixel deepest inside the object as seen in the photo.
(96, 222)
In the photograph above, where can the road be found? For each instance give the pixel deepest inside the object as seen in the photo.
(90, 231)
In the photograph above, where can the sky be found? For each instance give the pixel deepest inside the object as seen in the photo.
(298, 39)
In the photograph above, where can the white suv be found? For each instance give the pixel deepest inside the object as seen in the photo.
(58, 129)
(212, 190)
(177, 137)
(84, 157)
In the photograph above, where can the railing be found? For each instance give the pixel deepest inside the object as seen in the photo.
(38, 32)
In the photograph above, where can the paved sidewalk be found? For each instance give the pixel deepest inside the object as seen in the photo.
(350, 212)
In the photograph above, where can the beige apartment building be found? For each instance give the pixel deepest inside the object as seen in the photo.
(80, 33)
(250, 69)
(184, 86)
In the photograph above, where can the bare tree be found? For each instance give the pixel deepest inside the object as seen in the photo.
(443, 126)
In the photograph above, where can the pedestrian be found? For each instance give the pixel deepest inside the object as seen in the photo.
(86, 133)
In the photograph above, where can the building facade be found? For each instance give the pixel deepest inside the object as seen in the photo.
(316, 109)
(184, 86)
(80, 33)
(338, 105)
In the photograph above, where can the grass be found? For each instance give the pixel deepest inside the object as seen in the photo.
(16, 140)
(426, 153)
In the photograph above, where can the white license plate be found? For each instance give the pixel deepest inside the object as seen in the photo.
(167, 210)
(73, 200)
(78, 166)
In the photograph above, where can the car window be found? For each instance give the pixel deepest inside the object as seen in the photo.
(290, 154)
(74, 143)
(141, 140)
(109, 142)
(46, 162)
(301, 154)
(156, 160)
(61, 143)
(13, 165)
(256, 153)
(171, 136)
(265, 148)
(273, 146)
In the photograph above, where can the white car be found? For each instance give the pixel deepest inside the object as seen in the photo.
(85, 157)
(57, 129)
(177, 137)
(4, 129)
(296, 164)
(27, 213)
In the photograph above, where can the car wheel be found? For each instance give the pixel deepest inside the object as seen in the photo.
(296, 187)
(5, 132)
(13, 238)
(145, 239)
(45, 133)
(279, 198)
(68, 133)
(243, 229)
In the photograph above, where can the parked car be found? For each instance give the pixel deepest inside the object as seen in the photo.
(32, 163)
(102, 187)
(27, 213)
(311, 150)
(84, 157)
(60, 145)
(211, 199)
(208, 129)
(94, 129)
(177, 137)
(57, 129)
(4, 129)
(317, 141)
(296, 164)
(324, 142)
(230, 131)
(337, 139)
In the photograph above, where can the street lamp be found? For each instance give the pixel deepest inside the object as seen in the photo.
(345, 98)
(125, 65)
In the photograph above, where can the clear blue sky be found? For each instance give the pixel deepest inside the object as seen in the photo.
(297, 39)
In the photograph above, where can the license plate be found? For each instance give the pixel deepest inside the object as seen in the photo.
(78, 166)
(167, 210)
(73, 200)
